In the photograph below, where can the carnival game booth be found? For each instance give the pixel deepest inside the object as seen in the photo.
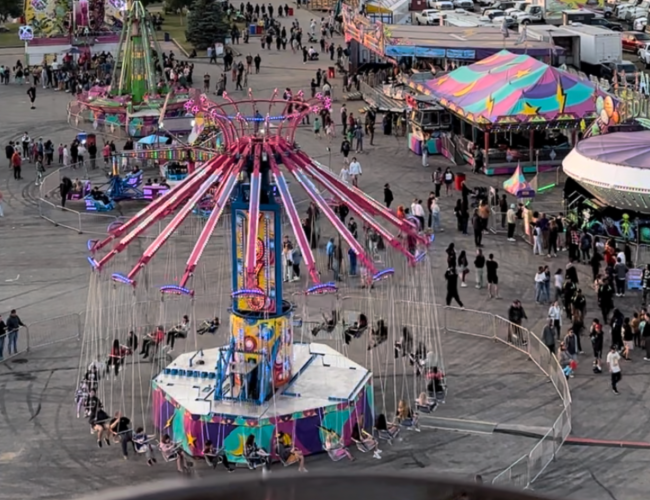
(614, 168)
(511, 109)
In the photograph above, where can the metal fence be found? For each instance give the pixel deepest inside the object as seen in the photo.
(527, 468)
(523, 471)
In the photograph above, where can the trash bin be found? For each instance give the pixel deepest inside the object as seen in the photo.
(290, 14)
(252, 29)
(331, 72)
(167, 37)
(259, 30)
(460, 178)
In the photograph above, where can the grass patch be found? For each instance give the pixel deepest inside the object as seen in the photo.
(175, 25)
(10, 38)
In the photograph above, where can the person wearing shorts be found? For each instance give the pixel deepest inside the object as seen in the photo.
(492, 277)
(31, 93)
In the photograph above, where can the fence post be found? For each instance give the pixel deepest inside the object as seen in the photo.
(495, 337)
(28, 337)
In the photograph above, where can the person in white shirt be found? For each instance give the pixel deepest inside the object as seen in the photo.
(355, 171)
(555, 314)
(621, 255)
(613, 361)
(540, 290)
(418, 211)
(345, 174)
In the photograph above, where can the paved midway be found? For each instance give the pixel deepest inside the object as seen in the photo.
(46, 453)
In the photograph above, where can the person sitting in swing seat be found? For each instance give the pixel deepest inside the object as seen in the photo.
(174, 452)
(404, 346)
(328, 325)
(406, 417)
(419, 358)
(334, 447)
(436, 384)
(365, 442)
(178, 332)
(142, 444)
(215, 457)
(99, 421)
(288, 453)
(115, 357)
(380, 335)
(209, 326)
(254, 455)
(81, 396)
(92, 377)
(154, 338)
(131, 345)
(355, 331)
(386, 430)
(425, 404)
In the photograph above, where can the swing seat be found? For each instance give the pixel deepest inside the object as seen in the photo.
(388, 436)
(141, 447)
(336, 453)
(411, 424)
(430, 407)
(366, 446)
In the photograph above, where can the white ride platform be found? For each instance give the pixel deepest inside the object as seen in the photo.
(322, 377)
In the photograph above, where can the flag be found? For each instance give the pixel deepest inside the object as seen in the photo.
(504, 28)
(523, 36)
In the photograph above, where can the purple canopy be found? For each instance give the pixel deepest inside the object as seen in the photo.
(631, 149)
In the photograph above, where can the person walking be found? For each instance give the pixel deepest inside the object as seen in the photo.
(605, 299)
(596, 336)
(2, 214)
(388, 195)
(477, 226)
(620, 275)
(548, 336)
(613, 362)
(345, 148)
(492, 278)
(437, 181)
(3, 336)
(479, 265)
(16, 163)
(31, 93)
(452, 286)
(516, 315)
(355, 171)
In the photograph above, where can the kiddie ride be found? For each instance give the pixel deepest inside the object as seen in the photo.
(261, 382)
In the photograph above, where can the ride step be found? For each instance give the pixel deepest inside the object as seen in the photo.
(457, 424)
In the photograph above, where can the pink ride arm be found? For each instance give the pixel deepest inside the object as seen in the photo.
(329, 213)
(183, 192)
(367, 203)
(253, 215)
(392, 240)
(120, 230)
(173, 225)
(294, 219)
(221, 199)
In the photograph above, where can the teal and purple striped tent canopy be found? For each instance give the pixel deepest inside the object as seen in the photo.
(514, 88)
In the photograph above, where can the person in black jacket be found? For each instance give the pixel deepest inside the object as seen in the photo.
(9, 152)
(452, 286)
(13, 324)
(388, 195)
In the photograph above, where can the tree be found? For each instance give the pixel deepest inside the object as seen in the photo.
(207, 23)
(10, 8)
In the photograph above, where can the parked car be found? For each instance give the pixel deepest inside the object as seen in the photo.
(607, 71)
(428, 16)
(496, 17)
(500, 5)
(632, 41)
(464, 4)
(606, 23)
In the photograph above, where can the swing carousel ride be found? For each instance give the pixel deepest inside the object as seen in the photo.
(303, 355)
